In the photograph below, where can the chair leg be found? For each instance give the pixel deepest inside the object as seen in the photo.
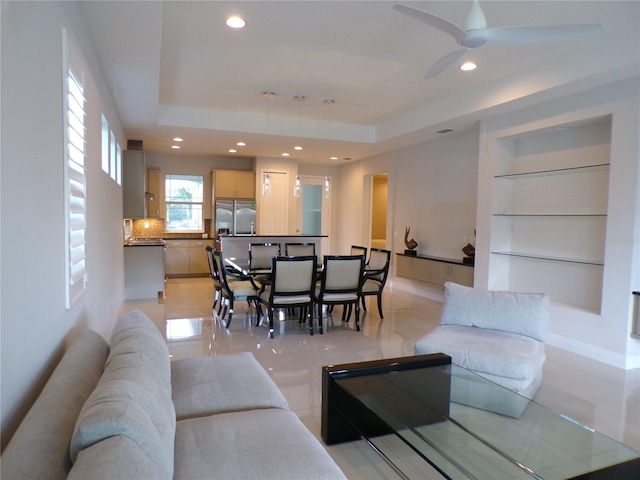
(215, 298)
(271, 322)
(258, 312)
(364, 307)
(380, 304)
(357, 316)
(320, 321)
(230, 311)
(311, 312)
(223, 306)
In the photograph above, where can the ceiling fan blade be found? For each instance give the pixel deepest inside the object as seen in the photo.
(445, 62)
(531, 35)
(435, 21)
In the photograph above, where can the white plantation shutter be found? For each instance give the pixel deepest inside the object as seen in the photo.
(75, 180)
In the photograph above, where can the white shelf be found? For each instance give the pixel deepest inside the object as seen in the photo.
(551, 259)
(557, 171)
(549, 220)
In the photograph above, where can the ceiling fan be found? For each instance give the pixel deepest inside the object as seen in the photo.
(474, 33)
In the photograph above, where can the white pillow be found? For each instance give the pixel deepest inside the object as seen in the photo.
(514, 312)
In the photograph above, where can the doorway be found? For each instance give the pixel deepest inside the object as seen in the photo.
(379, 201)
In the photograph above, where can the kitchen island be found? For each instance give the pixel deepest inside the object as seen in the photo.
(237, 246)
(144, 269)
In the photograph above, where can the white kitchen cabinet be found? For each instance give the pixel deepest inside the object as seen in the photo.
(134, 175)
(435, 271)
(153, 187)
(187, 257)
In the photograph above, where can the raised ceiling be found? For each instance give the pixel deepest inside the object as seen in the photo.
(175, 69)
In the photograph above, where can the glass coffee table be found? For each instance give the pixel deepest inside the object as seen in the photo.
(424, 414)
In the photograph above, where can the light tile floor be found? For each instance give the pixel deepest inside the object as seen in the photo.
(603, 397)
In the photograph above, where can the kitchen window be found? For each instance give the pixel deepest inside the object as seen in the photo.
(184, 198)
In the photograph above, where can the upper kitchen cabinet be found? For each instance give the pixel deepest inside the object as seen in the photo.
(234, 184)
(134, 175)
(153, 189)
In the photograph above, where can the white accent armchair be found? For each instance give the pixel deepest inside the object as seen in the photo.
(498, 335)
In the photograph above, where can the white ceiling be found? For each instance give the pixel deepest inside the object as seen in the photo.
(175, 69)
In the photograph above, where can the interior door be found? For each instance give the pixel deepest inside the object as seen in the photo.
(314, 209)
(274, 207)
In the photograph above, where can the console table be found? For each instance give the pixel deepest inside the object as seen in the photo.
(434, 270)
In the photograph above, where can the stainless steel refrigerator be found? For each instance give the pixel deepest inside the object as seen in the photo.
(235, 217)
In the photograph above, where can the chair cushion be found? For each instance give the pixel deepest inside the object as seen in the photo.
(268, 443)
(340, 297)
(242, 288)
(370, 286)
(520, 313)
(494, 352)
(222, 383)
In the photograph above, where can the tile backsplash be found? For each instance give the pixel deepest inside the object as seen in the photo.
(154, 228)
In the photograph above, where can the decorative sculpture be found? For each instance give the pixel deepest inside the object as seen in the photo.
(411, 244)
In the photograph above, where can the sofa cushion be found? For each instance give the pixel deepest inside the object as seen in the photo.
(40, 446)
(255, 444)
(521, 313)
(136, 333)
(130, 400)
(482, 350)
(224, 383)
(115, 458)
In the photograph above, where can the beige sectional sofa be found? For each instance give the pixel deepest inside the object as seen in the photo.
(126, 411)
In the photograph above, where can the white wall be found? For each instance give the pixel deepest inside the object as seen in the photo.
(432, 189)
(35, 325)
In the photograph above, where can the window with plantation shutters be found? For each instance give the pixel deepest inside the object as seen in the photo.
(75, 183)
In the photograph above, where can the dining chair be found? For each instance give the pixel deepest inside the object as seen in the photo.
(215, 276)
(375, 276)
(233, 290)
(358, 250)
(293, 281)
(260, 255)
(299, 249)
(341, 284)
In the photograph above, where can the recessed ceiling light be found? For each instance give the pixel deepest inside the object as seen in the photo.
(468, 66)
(297, 147)
(178, 139)
(176, 147)
(285, 154)
(233, 150)
(333, 158)
(235, 22)
(241, 144)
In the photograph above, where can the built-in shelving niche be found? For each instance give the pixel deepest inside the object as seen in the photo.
(550, 212)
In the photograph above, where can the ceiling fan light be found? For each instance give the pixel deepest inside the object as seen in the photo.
(468, 66)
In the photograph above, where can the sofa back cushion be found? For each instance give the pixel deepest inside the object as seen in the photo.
(40, 446)
(513, 312)
(130, 400)
(136, 333)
